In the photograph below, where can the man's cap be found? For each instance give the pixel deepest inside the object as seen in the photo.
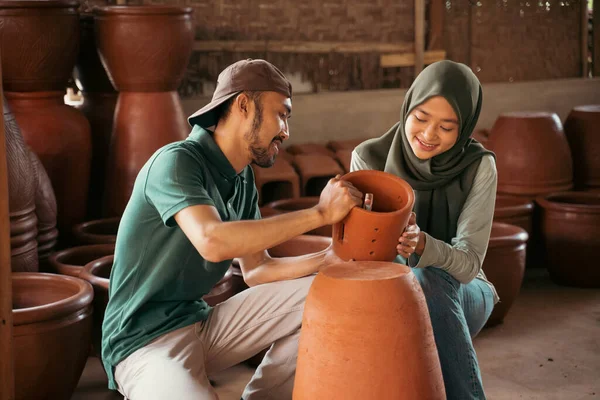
(250, 75)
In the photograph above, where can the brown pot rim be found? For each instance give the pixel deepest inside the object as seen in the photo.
(409, 201)
(79, 229)
(55, 258)
(547, 203)
(57, 309)
(521, 206)
(587, 108)
(48, 94)
(528, 114)
(511, 235)
(108, 11)
(87, 273)
(227, 277)
(39, 4)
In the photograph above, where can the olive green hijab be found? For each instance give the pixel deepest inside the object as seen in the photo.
(442, 183)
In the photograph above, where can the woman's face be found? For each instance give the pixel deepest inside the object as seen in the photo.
(432, 128)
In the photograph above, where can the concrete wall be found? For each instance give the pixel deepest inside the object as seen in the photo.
(347, 115)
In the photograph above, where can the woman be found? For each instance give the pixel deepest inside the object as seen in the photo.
(454, 179)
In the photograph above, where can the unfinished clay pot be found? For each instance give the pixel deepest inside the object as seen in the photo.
(100, 231)
(277, 182)
(97, 273)
(373, 235)
(300, 203)
(570, 227)
(309, 148)
(60, 136)
(315, 171)
(39, 44)
(71, 261)
(532, 154)
(366, 334)
(583, 133)
(504, 266)
(350, 144)
(52, 319)
(134, 59)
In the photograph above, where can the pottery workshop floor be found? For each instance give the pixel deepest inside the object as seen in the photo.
(547, 349)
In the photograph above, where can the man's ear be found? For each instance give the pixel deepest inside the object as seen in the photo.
(242, 102)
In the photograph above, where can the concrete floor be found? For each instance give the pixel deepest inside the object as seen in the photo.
(547, 349)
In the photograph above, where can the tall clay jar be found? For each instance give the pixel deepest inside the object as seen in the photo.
(366, 334)
(582, 128)
(146, 72)
(373, 235)
(39, 42)
(99, 102)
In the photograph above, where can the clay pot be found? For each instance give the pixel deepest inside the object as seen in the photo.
(71, 261)
(100, 231)
(134, 59)
(337, 145)
(97, 273)
(39, 44)
(504, 266)
(482, 136)
(373, 235)
(366, 334)
(277, 182)
(315, 171)
(268, 212)
(300, 203)
(532, 154)
(60, 136)
(222, 290)
(309, 148)
(22, 185)
(583, 134)
(52, 319)
(570, 226)
(344, 157)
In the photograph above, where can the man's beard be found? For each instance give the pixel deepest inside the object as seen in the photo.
(260, 154)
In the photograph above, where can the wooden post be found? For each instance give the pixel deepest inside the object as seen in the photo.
(436, 25)
(419, 36)
(7, 380)
(584, 37)
(596, 38)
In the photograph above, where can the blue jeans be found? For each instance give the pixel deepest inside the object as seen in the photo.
(458, 312)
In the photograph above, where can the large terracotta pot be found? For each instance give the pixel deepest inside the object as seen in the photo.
(373, 235)
(60, 137)
(52, 319)
(97, 273)
(532, 154)
(300, 203)
(582, 128)
(571, 234)
(100, 231)
(72, 261)
(39, 44)
(22, 185)
(504, 266)
(366, 334)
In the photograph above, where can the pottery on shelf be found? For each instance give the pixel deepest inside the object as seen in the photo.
(344, 158)
(300, 203)
(52, 323)
(315, 171)
(279, 181)
(71, 261)
(350, 144)
(570, 226)
(100, 231)
(532, 154)
(504, 266)
(366, 334)
(309, 148)
(582, 128)
(373, 235)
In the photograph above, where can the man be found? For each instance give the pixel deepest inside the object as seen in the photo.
(194, 207)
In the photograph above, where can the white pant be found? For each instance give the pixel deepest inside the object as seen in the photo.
(176, 365)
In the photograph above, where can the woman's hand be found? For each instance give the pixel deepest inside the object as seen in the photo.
(412, 240)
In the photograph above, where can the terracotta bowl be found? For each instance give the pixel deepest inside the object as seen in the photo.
(570, 227)
(504, 266)
(100, 231)
(52, 317)
(300, 203)
(72, 261)
(373, 235)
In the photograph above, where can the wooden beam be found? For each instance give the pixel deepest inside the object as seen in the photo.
(596, 38)
(584, 38)
(409, 59)
(436, 25)
(280, 46)
(419, 36)
(6, 323)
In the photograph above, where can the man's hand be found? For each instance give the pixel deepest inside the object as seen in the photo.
(337, 199)
(411, 240)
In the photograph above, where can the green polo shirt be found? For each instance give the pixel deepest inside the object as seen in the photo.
(158, 277)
